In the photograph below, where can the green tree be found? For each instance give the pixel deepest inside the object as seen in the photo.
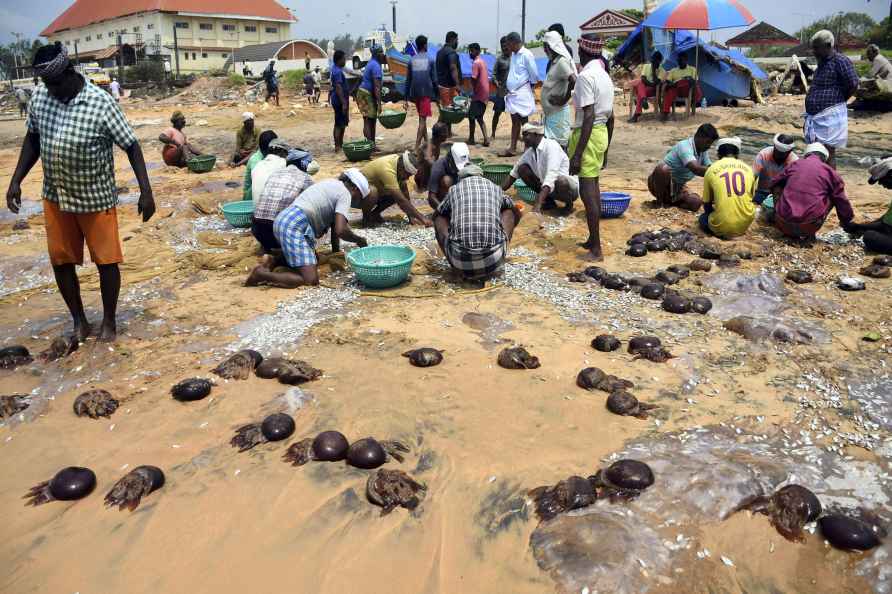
(882, 34)
(854, 23)
(634, 13)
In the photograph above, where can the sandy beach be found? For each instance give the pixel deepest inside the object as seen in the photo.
(736, 417)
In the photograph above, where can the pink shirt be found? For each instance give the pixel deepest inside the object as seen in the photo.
(810, 189)
(765, 166)
(481, 80)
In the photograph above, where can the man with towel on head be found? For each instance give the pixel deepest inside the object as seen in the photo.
(444, 173)
(177, 151)
(474, 225)
(520, 101)
(806, 192)
(387, 179)
(71, 128)
(247, 139)
(557, 89)
(728, 208)
(877, 235)
(834, 83)
(276, 153)
(771, 162)
(545, 168)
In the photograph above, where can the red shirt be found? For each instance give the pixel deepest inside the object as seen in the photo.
(481, 80)
(810, 189)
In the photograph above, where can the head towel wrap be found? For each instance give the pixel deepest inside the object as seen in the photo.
(407, 163)
(54, 67)
(780, 146)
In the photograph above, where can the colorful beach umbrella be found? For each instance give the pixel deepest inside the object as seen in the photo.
(699, 15)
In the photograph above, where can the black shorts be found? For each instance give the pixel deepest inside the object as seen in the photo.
(341, 113)
(262, 230)
(498, 104)
(478, 108)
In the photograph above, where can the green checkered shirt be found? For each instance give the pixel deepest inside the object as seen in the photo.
(76, 147)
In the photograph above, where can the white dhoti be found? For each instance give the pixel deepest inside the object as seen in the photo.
(521, 101)
(829, 127)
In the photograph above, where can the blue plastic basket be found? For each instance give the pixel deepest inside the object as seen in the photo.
(239, 213)
(614, 204)
(381, 266)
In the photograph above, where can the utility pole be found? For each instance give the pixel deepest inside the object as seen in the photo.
(176, 49)
(393, 8)
(523, 21)
(120, 60)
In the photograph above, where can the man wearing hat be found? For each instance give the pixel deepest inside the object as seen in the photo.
(246, 140)
(276, 153)
(877, 235)
(728, 186)
(771, 162)
(387, 177)
(545, 168)
(474, 225)
(280, 189)
(317, 209)
(557, 89)
(806, 192)
(177, 151)
(444, 173)
(71, 128)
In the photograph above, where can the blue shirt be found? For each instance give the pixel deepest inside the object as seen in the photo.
(680, 155)
(523, 70)
(420, 77)
(338, 80)
(372, 71)
(834, 82)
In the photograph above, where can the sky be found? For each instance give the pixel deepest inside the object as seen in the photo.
(475, 20)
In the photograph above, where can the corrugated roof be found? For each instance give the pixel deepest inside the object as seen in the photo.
(762, 34)
(86, 12)
(259, 52)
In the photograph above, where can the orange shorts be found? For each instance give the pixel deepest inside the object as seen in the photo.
(67, 231)
(447, 94)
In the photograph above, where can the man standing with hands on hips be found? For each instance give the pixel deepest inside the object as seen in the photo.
(72, 126)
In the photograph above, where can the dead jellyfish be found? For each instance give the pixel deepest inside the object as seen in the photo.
(875, 271)
(95, 404)
(590, 378)
(14, 356)
(606, 343)
(848, 533)
(639, 343)
(680, 270)
(611, 384)
(275, 427)
(239, 365)
(578, 277)
(700, 265)
(298, 372)
(701, 305)
(800, 277)
(390, 489)
(517, 358)
(653, 290)
(848, 283)
(637, 250)
(657, 245)
(654, 354)
(572, 493)
(270, 367)
(69, 484)
(595, 272)
(709, 253)
(790, 508)
(614, 282)
(62, 346)
(882, 260)
(624, 479)
(676, 304)
(625, 404)
(328, 446)
(368, 453)
(13, 404)
(666, 277)
(191, 389)
(729, 260)
(642, 237)
(133, 486)
(424, 357)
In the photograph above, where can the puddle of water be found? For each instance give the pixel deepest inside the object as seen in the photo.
(20, 273)
(489, 327)
(29, 208)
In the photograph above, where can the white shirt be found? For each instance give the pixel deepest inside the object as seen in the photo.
(523, 70)
(548, 161)
(593, 87)
(881, 68)
(115, 89)
(261, 172)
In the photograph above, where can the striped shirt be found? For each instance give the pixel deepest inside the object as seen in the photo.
(281, 189)
(76, 147)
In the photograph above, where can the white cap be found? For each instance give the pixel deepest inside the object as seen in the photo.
(780, 146)
(407, 163)
(732, 140)
(358, 180)
(461, 155)
(247, 116)
(817, 147)
(533, 127)
(880, 170)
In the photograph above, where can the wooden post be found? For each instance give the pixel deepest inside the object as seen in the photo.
(176, 48)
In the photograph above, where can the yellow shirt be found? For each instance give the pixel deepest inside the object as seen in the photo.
(677, 74)
(647, 72)
(729, 185)
(381, 174)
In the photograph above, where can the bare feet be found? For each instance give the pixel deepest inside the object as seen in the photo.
(82, 330)
(253, 279)
(108, 332)
(594, 255)
(508, 153)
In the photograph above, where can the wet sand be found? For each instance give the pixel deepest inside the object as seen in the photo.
(481, 436)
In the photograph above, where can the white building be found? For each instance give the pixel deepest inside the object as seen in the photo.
(204, 32)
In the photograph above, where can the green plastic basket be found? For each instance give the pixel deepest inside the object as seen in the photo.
(381, 266)
(239, 214)
(524, 192)
(359, 150)
(453, 115)
(497, 174)
(391, 119)
(201, 164)
(478, 161)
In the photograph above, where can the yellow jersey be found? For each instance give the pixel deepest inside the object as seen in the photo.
(647, 72)
(382, 174)
(676, 74)
(729, 185)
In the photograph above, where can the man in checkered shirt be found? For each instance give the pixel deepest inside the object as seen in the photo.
(281, 189)
(72, 125)
(474, 224)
